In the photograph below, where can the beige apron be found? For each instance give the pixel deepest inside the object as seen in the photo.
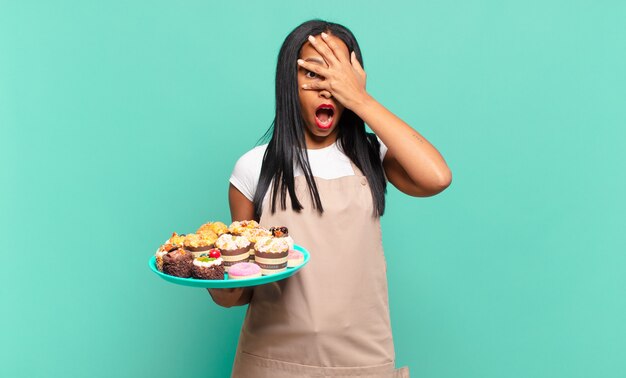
(331, 319)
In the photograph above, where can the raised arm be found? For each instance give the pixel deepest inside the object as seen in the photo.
(412, 164)
(241, 208)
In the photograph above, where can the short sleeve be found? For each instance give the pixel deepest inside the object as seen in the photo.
(245, 176)
(383, 149)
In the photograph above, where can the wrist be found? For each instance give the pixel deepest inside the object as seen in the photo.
(361, 104)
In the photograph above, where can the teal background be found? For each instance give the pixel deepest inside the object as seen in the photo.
(120, 122)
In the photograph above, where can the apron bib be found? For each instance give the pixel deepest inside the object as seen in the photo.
(331, 319)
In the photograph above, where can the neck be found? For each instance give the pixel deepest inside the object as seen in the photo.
(316, 142)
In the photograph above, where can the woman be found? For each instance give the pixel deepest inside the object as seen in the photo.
(324, 177)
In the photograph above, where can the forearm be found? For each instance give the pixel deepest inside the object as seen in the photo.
(422, 162)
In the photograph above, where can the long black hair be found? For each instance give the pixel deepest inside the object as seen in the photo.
(287, 145)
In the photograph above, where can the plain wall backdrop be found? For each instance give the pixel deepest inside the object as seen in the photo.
(120, 123)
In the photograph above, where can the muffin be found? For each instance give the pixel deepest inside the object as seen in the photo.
(206, 233)
(282, 232)
(253, 234)
(294, 258)
(238, 227)
(218, 228)
(234, 249)
(176, 240)
(162, 251)
(208, 267)
(271, 254)
(199, 245)
(178, 263)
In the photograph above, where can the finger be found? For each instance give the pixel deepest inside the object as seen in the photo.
(313, 67)
(337, 50)
(320, 85)
(355, 62)
(322, 48)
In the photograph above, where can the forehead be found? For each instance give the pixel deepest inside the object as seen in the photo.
(308, 51)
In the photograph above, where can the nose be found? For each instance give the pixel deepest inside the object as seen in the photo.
(326, 94)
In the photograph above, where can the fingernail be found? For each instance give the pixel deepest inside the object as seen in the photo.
(311, 38)
(324, 35)
(300, 61)
(305, 86)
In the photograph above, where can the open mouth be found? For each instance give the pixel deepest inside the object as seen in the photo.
(324, 116)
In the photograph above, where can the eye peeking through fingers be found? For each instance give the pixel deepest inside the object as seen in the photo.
(310, 74)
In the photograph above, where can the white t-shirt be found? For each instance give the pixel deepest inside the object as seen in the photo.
(326, 163)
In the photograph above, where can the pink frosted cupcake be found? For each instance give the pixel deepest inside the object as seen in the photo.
(294, 258)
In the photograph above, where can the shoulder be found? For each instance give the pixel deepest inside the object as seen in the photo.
(251, 161)
(246, 172)
(254, 155)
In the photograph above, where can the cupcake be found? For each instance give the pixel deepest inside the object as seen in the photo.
(294, 258)
(271, 254)
(178, 263)
(162, 251)
(253, 234)
(208, 267)
(238, 227)
(199, 245)
(208, 238)
(282, 232)
(218, 228)
(206, 233)
(234, 249)
(176, 240)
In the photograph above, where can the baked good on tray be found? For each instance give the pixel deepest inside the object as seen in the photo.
(234, 249)
(178, 263)
(200, 244)
(176, 239)
(209, 267)
(294, 258)
(282, 232)
(253, 234)
(162, 251)
(238, 227)
(244, 270)
(218, 228)
(214, 249)
(271, 254)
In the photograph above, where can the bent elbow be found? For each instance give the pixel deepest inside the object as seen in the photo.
(445, 180)
(438, 185)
